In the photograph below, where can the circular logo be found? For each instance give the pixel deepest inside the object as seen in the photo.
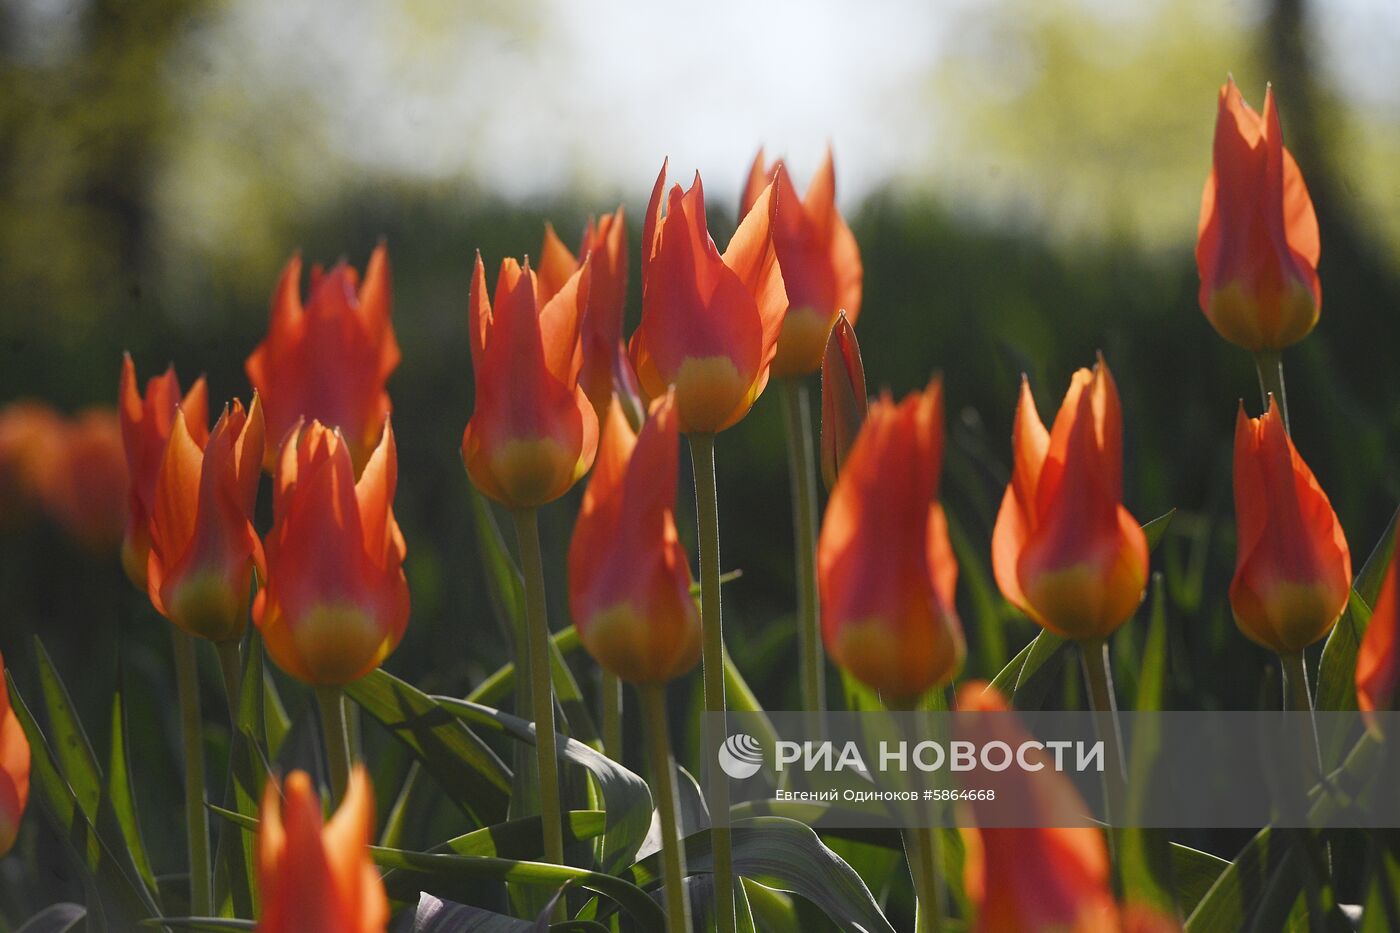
(740, 756)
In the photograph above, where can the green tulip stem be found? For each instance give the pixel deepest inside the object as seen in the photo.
(802, 470)
(336, 733)
(192, 737)
(702, 454)
(663, 781)
(1269, 363)
(231, 667)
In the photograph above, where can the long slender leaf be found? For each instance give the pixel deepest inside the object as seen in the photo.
(444, 874)
(788, 856)
(120, 790)
(56, 918)
(466, 769)
(235, 891)
(626, 797)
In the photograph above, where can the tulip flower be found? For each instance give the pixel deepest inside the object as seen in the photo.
(83, 483)
(27, 429)
(203, 545)
(629, 579)
(1064, 550)
(329, 360)
(14, 768)
(533, 433)
(1050, 875)
(884, 565)
(336, 600)
(710, 322)
(843, 398)
(1292, 565)
(315, 876)
(146, 424)
(606, 371)
(1257, 243)
(819, 259)
(1377, 663)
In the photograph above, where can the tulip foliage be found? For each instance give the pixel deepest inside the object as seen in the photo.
(322, 793)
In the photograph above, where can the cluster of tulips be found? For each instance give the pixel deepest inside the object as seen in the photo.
(558, 393)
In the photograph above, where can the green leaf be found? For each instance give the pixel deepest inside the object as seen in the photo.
(496, 687)
(119, 786)
(118, 897)
(235, 889)
(741, 698)
(213, 924)
(787, 856)
(56, 918)
(1194, 872)
(1156, 529)
(435, 915)
(626, 797)
(466, 769)
(443, 875)
(1268, 868)
(1145, 860)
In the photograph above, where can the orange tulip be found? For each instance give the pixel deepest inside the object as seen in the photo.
(146, 425)
(1377, 663)
(27, 430)
(1048, 876)
(336, 600)
(1292, 565)
(330, 360)
(315, 876)
(710, 323)
(1257, 243)
(606, 371)
(203, 545)
(885, 569)
(843, 398)
(1065, 551)
(819, 258)
(533, 433)
(629, 578)
(14, 768)
(84, 483)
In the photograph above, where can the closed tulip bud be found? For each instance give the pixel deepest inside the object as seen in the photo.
(710, 322)
(819, 258)
(844, 403)
(203, 545)
(316, 876)
(1049, 877)
(146, 425)
(1064, 550)
(1377, 661)
(629, 579)
(1292, 565)
(14, 768)
(1257, 245)
(83, 483)
(336, 600)
(605, 370)
(533, 432)
(329, 360)
(885, 569)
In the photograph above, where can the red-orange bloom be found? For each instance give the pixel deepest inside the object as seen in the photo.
(1257, 243)
(1036, 879)
(14, 768)
(533, 432)
(606, 371)
(336, 600)
(1377, 662)
(819, 258)
(146, 425)
(314, 876)
(1065, 551)
(844, 403)
(1292, 564)
(84, 480)
(203, 545)
(27, 431)
(629, 579)
(710, 323)
(330, 360)
(885, 569)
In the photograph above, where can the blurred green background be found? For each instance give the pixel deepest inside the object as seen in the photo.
(1023, 178)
